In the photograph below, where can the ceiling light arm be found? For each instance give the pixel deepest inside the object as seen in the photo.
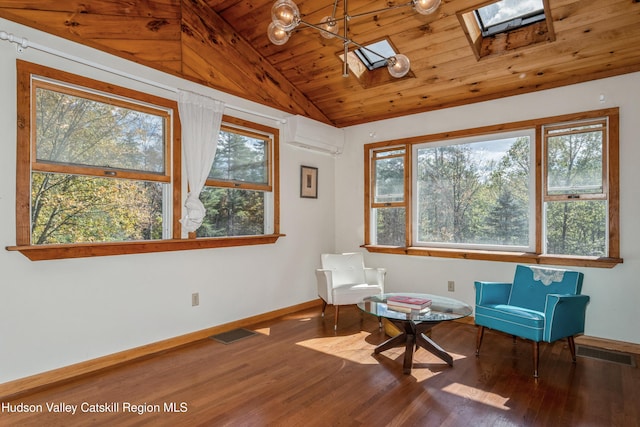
(345, 38)
(335, 7)
(347, 41)
(347, 17)
(322, 30)
(362, 14)
(285, 17)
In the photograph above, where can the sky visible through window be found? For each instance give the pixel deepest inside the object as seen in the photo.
(487, 154)
(506, 10)
(489, 150)
(493, 150)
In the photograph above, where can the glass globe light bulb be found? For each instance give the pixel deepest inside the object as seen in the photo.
(330, 27)
(425, 7)
(285, 14)
(398, 65)
(277, 35)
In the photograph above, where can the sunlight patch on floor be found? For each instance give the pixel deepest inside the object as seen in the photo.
(363, 354)
(481, 396)
(298, 316)
(263, 331)
(335, 346)
(457, 356)
(425, 364)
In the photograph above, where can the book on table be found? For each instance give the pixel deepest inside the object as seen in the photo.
(415, 303)
(403, 309)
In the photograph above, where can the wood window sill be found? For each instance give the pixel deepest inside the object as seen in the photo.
(522, 257)
(83, 250)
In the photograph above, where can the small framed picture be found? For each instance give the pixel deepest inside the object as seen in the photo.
(309, 182)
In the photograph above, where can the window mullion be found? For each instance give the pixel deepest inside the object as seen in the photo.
(388, 205)
(238, 185)
(605, 158)
(540, 189)
(574, 197)
(97, 172)
(408, 191)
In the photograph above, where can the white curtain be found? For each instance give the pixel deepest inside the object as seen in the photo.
(201, 117)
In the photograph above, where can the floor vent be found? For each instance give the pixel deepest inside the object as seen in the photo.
(606, 355)
(233, 335)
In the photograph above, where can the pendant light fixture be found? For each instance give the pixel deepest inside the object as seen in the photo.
(285, 17)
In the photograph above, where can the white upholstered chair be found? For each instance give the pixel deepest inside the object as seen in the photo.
(344, 280)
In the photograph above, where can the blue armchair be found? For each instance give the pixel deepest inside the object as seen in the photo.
(542, 304)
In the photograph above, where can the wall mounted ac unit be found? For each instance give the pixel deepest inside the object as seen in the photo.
(312, 135)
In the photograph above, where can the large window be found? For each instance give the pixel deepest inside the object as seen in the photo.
(101, 167)
(542, 191)
(99, 173)
(475, 192)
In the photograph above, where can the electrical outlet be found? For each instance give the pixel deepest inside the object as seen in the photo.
(195, 299)
(451, 286)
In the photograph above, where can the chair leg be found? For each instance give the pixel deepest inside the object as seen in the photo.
(572, 348)
(324, 305)
(479, 340)
(536, 354)
(335, 325)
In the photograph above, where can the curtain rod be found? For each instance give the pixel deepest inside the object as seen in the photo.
(23, 43)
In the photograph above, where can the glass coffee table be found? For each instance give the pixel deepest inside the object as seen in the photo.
(415, 324)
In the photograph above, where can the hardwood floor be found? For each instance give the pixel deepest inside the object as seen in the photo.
(298, 372)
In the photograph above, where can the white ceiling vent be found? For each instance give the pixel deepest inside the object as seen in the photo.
(312, 135)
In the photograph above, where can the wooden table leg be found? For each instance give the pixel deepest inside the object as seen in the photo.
(414, 336)
(408, 353)
(428, 344)
(396, 341)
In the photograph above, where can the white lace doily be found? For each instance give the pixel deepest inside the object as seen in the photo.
(547, 275)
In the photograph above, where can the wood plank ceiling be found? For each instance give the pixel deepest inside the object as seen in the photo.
(223, 44)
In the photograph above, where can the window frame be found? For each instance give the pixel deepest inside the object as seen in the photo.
(366, 52)
(107, 172)
(573, 197)
(251, 130)
(404, 203)
(537, 257)
(25, 70)
(370, 77)
(486, 45)
(514, 23)
(525, 132)
(94, 170)
(602, 195)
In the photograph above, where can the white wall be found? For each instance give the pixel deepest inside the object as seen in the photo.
(615, 293)
(56, 313)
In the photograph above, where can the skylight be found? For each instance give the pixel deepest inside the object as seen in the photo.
(507, 15)
(375, 55)
(366, 61)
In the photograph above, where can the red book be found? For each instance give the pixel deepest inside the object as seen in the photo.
(409, 302)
